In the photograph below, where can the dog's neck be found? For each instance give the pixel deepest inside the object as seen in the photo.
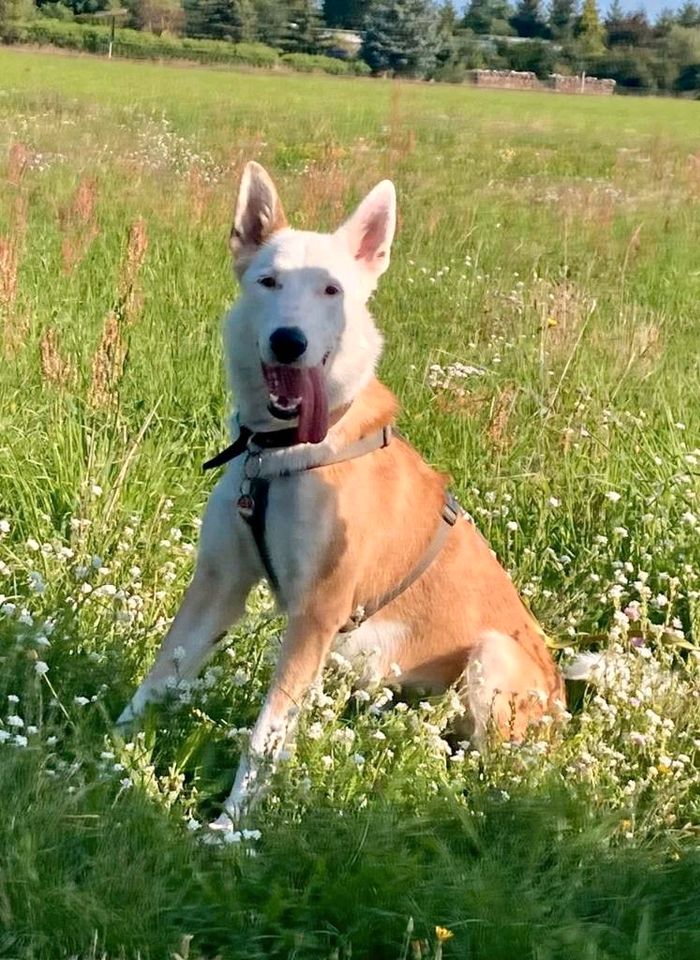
(374, 407)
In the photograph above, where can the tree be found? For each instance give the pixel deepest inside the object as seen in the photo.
(488, 16)
(534, 56)
(527, 21)
(12, 12)
(272, 17)
(303, 27)
(220, 19)
(157, 15)
(628, 29)
(401, 37)
(447, 53)
(689, 15)
(590, 30)
(77, 6)
(562, 19)
(348, 14)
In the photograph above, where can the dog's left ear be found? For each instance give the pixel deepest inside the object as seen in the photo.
(258, 215)
(369, 231)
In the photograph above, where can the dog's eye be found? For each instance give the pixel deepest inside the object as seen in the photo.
(269, 282)
(331, 290)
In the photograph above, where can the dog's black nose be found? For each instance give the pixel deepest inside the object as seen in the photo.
(288, 344)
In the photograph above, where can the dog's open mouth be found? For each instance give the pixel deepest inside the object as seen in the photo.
(299, 393)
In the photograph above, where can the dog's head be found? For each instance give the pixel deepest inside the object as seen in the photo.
(300, 340)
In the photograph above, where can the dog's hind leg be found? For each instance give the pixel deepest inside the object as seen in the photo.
(225, 573)
(507, 687)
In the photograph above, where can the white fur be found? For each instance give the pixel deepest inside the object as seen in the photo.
(300, 518)
(305, 264)
(373, 647)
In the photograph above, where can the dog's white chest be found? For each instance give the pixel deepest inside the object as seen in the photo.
(297, 527)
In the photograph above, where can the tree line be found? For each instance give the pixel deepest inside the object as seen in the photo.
(422, 38)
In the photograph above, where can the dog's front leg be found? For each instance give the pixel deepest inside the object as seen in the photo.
(226, 571)
(304, 650)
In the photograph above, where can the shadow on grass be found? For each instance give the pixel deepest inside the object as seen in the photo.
(529, 877)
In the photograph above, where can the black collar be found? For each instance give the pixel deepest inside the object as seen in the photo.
(266, 440)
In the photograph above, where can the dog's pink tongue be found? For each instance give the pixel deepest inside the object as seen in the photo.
(307, 384)
(313, 415)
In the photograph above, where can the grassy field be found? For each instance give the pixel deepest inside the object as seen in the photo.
(542, 333)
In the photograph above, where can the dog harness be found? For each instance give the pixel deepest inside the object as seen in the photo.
(253, 499)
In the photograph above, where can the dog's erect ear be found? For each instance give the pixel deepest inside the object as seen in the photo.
(258, 215)
(369, 231)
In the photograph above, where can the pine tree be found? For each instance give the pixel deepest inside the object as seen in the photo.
(220, 19)
(479, 16)
(615, 12)
(562, 18)
(347, 14)
(446, 52)
(590, 30)
(401, 37)
(447, 17)
(242, 21)
(303, 27)
(272, 17)
(527, 20)
(689, 14)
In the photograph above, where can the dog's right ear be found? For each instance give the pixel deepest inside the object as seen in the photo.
(258, 215)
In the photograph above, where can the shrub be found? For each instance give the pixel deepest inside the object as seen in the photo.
(146, 46)
(311, 63)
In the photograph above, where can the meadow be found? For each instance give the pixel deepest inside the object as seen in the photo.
(541, 325)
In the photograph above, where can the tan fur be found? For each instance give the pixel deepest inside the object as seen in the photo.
(344, 535)
(463, 597)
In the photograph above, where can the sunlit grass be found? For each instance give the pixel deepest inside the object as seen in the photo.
(541, 330)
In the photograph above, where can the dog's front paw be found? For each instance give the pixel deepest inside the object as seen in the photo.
(126, 721)
(222, 824)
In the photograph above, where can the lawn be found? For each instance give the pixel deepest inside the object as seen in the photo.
(541, 325)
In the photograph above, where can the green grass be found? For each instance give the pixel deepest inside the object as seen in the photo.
(549, 241)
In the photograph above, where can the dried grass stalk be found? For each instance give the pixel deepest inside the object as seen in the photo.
(108, 365)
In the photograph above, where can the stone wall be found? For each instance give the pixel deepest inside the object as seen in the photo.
(592, 85)
(505, 79)
(524, 80)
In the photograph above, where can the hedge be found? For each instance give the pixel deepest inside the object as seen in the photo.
(309, 63)
(148, 46)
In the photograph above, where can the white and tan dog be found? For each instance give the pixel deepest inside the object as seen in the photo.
(351, 524)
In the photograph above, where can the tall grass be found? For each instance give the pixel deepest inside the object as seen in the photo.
(541, 331)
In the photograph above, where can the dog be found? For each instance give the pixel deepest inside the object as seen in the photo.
(364, 549)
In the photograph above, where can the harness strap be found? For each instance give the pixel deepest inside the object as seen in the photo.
(259, 490)
(253, 504)
(451, 512)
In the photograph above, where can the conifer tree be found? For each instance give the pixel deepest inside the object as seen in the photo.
(347, 14)
(590, 30)
(562, 19)
(401, 37)
(527, 20)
